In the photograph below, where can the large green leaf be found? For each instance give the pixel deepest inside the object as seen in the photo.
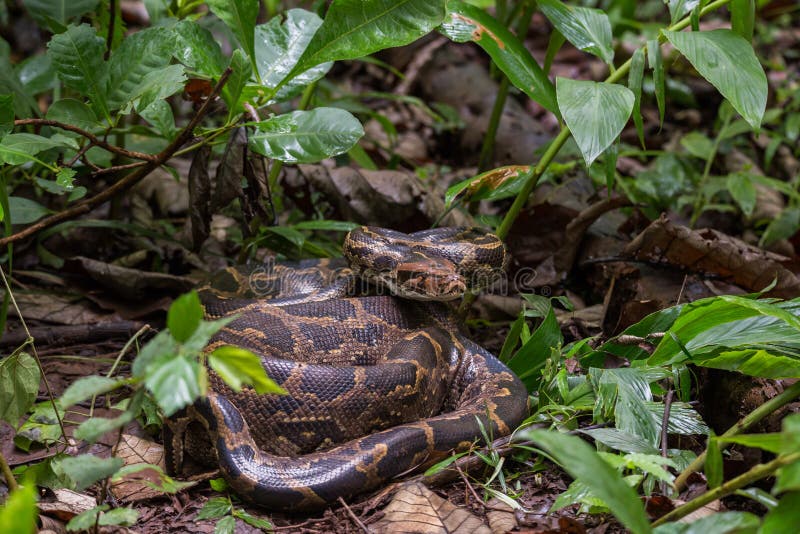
(595, 112)
(468, 23)
(86, 469)
(86, 387)
(307, 136)
(25, 211)
(157, 85)
(586, 28)
(18, 513)
(584, 464)
(239, 366)
(61, 11)
(679, 8)
(356, 28)
(279, 47)
(139, 55)
(16, 149)
(19, 383)
(174, 381)
(240, 16)
(534, 353)
(716, 523)
(196, 48)
(184, 316)
(759, 338)
(75, 112)
(24, 103)
(729, 63)
(77, 55)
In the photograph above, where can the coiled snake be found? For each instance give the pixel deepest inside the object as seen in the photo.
(378, 385)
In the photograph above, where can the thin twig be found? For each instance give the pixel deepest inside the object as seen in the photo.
(117, 168)
(30, 341)
(90, 136)
(90, 203)
(354, 517)
(112, 19)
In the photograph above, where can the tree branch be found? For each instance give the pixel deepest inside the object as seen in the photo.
(159, 159)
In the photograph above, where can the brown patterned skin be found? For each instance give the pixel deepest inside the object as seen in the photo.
(391, 384)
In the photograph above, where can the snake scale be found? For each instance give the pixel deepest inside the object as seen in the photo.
(378, 384)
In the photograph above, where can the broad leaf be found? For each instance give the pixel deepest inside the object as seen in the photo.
(595, 112)
(19, 384)
(240, 16)
(743, 15)
(502, 182)
(656, 62)
(18, 513)
(61, 11)
(307, 136)
(586, 28)
(25, 211)
(184, 316)
(77, 55)
(86, 469)
(6, 114)
(716, 523)
(74, 112)
(468, 23)
(729, 63)
(86, 387)
(139, 55)
(241, 72)
(239, 366)
(175, 382)
(19, 148)
(635, 78)
(157, 85)
(532, 356)
(583, 463)
(102, 516)
(679, 8)
(196, 48)
(279, 46)
(356, 28)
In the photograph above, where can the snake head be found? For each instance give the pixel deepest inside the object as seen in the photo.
(429, 278)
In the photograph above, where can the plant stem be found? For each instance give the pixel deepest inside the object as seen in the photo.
(11, 482)
(563, 135)
(775, 403)
(487, 148)
(756, 473)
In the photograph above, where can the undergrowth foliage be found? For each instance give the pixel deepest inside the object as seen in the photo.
(110, 111)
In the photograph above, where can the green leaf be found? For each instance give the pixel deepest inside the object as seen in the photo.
(595, 112)
(716, 523)
(77, 55)
(24, 211)
(656, 63)
(713, 465)
(679, 8)
(355, 28)
(203, 333)
(240, 75)
(196, 48)
(586, 28)
(94, 428)
(306, 136)
(18, 148)
(74, 112)
(102, 516)
(155, 86)
(137, 60)
(18, 514)
(6, 114)
(495, 184)
(19, 384)
(279, 46)
(184, 316)
(698, 145)
(24, 103)
(789, 475)
(635, 77)
(620, 440)
(175, 382)
(239, 366)
(729, 63)
(583, 463)
(785, 517)
(770, 442)
(214, 508)
(325, 224)
(240, 16)
(161, 345)
(259, 522)
(467, 23)
(41, 427)
(743, 191)
(743, 17)
(226, 525)
(86, 469)
(62, 11)
(87, 387)
(152, 476)
(37, 74)
(532, 356)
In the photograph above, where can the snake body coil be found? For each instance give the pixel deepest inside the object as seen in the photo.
(378, 385)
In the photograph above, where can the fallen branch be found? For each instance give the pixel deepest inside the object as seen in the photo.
(131, 179)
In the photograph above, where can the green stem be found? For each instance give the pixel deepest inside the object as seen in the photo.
(11, 482)
(563, 135)
(698, 201)
(756, 473)
(487, 148)
(775, 403)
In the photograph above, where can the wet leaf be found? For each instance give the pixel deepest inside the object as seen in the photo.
(19, 384)
(586, 28)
